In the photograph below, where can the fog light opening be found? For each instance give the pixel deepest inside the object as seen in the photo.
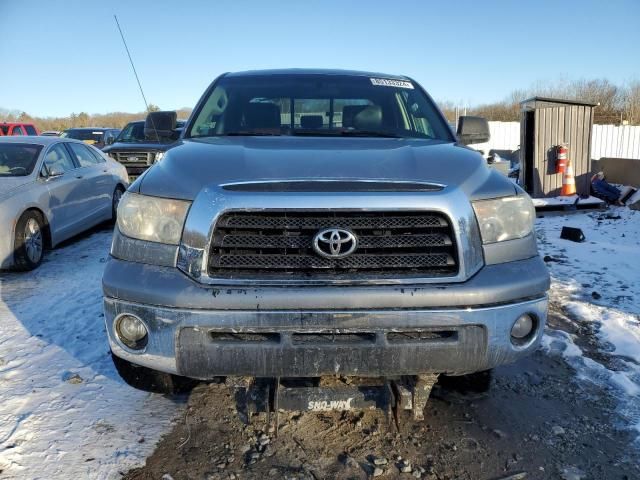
(523, 329)
(131, 331)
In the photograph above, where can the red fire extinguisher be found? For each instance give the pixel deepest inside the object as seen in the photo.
(562, 154)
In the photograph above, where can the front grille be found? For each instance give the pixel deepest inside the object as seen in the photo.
(135, 159)
(278, 244)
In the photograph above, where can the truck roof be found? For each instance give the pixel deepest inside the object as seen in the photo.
(314, 71)
(92, 128)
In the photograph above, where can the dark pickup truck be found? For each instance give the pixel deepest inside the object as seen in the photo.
(136, 151)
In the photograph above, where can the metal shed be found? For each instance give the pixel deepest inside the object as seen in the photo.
(546, 123)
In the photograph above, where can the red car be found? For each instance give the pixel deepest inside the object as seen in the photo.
(18, 128)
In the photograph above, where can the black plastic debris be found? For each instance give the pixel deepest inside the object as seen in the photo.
(573, 234)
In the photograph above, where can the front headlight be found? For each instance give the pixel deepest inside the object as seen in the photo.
(152, 218)
(505, 218)
(158, 156)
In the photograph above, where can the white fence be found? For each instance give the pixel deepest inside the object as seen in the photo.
(606, 140)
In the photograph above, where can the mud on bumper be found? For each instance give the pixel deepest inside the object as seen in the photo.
(207, 343)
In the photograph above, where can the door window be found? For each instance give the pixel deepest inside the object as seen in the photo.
(17, 130)
(31, 130)
(82, 153)
(58, 160)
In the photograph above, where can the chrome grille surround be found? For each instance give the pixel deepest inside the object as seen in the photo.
(142, 159)
(214, 201)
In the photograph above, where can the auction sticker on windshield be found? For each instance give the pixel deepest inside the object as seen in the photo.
(386, 82)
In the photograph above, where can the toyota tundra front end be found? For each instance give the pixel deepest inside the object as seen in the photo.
(315, 223)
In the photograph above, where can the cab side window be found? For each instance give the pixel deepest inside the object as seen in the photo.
(17, 130)
(82, 153)
(58, 160)
(31, 130)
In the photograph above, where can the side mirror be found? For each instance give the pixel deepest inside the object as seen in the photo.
(49, 172)
(160, 125)
(110, 140)
(473, 130)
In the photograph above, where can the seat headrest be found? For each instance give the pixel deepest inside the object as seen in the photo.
(370, 118)
(311, 121)
(262, 115)
(349, 112)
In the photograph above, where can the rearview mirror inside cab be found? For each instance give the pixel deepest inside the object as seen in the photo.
(473, 130)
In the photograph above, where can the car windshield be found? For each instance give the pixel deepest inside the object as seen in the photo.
(18, 159)
(88, 136)
(318, 105)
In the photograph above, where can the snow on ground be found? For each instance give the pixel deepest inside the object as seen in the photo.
(64, 412)
(596, 285)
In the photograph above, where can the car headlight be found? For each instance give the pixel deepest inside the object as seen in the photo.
(152, 218)
(158, 156)
(505, 218)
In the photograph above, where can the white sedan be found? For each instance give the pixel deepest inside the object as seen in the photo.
(51, 189)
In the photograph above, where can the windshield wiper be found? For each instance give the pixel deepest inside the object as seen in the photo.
(346, 133)
(369, 133)
(249, 133)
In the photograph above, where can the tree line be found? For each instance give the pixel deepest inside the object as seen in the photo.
(82, 119)
(616, 103)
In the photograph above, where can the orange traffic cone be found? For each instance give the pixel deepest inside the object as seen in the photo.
(568, 182)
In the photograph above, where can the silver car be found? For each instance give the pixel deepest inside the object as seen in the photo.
(51, 189)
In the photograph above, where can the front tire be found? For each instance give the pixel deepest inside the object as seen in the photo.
(479, 382)
(149, 380)
(115, 201)
(29, 241)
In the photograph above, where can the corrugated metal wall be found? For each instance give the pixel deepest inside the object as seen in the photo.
(607, 141)
(617, 141)
(555, 124)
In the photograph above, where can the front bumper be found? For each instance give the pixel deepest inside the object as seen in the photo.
(202, 332)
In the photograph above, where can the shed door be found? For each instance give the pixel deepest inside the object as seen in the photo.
(529, 152)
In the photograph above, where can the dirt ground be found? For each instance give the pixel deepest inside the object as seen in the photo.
(536, 422)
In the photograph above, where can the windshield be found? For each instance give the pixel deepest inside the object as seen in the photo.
(132, 133)
(18, 159)
(88, 136)
(318, 105)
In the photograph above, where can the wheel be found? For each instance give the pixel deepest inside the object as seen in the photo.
(478, 382)
(115, 201)
(149, 380)
(29, 241)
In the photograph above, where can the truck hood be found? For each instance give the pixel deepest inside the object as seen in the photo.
(9, 184)
(193, 164)
(137, 147)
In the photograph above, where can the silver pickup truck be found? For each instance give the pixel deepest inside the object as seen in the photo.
(315, 223)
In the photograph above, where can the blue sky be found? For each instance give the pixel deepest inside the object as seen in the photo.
(63, 56)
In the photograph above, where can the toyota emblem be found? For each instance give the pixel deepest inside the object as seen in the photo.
(334, 243)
